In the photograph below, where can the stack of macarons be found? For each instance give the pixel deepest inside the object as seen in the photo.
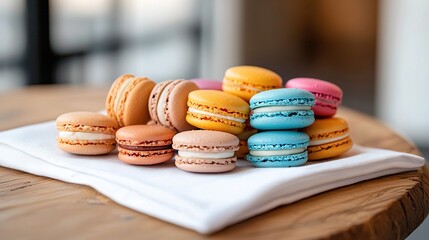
(279, 113)
(212, 123)
(329, 135)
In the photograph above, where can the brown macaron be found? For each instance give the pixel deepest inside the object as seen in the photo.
(168, 104)
(145, 144)
(127, 100)
(86, 133)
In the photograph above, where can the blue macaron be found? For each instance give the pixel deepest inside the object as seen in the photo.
(278, 149)
(282, 109)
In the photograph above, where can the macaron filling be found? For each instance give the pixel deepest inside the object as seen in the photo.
(280, 108)
(215, 155)
(197, 111)
(87, 136)
(265, 153)
(160, 107)
(144, 148)
(328, 140)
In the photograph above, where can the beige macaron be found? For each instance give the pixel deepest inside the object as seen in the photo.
(86, 133)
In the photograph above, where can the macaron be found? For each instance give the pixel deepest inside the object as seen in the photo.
(86, 133)
(168, 104)
(246, 81)
(279, 109)
(209, 84)
(216, 110)
(205, 151)
(278, 149)
(127, 100)
(328, 95)
(329, 137)
(244, 150)
(145, 144)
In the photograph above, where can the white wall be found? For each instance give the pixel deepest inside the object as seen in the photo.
(403, 67)
(221, 37)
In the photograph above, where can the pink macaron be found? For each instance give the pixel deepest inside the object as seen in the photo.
(328, 95)
(208, 84)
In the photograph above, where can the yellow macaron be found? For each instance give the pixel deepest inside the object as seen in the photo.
(329, 137)
(246, 81)
(217, 110)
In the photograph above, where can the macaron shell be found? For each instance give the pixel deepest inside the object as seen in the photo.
(315, 85)
(205, 141)
(213, 123)
(87, 147)
(204, 167)
(325, 128)
(328, 95)
(177, 106)
(145, 135)
(246, 81)
(145, 157)
(133, 108)
(276, 140)
(86, 122)
(282, 97)
(113, 92)
(329, 150)
(292, 160)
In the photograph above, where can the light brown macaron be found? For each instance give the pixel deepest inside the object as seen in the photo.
(168, 104)
(127, 100)
(145, 144)
(86, 133)
(205, 151)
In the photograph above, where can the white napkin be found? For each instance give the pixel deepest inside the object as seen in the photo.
(203, 202)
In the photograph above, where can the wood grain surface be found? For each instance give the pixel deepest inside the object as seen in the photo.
(34, 207)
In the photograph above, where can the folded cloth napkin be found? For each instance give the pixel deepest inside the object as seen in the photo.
(203, 202)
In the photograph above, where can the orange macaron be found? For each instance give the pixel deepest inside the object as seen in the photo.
(329, 137)
(246, 81)
(86, 133)
(127, 100)
(217, 110)
(145, 144)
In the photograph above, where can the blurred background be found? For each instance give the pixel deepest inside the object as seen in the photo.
(377, 51)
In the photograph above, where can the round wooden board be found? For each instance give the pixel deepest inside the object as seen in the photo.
(36, 207)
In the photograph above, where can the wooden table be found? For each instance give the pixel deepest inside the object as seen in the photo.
(41, 208)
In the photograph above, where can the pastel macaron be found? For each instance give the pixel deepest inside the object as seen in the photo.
(127, 100)
(86, 133)
(329, 137)
(209, 84)
(205, 151)
(168, 104)
(328, 95)
(216, 110)
(145, 144)
(246, 81)
(282, 109)
(278, 149)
